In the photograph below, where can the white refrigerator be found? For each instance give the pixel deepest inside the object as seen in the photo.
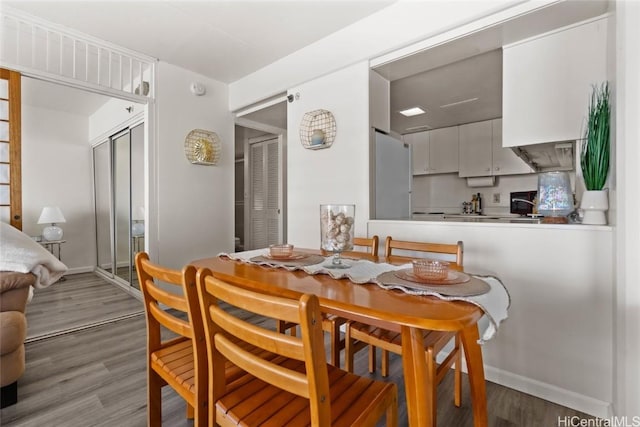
(393, 178)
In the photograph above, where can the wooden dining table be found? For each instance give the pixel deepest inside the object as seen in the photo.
(390, 309)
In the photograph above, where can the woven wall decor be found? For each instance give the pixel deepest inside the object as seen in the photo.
(317, 129)
(202, 147)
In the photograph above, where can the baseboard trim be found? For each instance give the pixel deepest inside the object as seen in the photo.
(554, 394)
(570, 399)
(78, 270)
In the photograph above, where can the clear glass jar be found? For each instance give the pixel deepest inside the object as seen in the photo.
(555, 197)
(337, 225)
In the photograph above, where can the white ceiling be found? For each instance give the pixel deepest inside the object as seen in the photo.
(38, 93)
(224, 40)
(227, 40)
(274, 115)
(478, 77)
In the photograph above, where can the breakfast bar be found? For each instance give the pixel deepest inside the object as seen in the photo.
(561, 282)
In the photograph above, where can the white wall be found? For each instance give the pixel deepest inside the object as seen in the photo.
(57, 172)
(627, 243)
(446, 192)
(111, 117)
(338, 174)
(193, 205)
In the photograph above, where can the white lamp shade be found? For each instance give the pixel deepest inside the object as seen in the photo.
(51, 215)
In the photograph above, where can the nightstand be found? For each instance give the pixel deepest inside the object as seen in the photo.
(55, 247)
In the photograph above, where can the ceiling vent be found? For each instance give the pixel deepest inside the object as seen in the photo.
(418, 128)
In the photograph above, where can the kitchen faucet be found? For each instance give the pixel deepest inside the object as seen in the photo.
(523, 200)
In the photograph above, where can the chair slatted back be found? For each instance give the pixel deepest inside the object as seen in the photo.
(371, 243)
(150, 275)
(312, 382)
(456, 250)
(179, 362)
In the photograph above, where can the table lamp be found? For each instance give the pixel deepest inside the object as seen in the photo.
(51, 215)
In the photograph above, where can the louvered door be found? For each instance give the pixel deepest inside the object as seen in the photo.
(10, 153)
(265, 219)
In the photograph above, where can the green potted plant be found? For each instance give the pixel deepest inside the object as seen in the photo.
(594, 156)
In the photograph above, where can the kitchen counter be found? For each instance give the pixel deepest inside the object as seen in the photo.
(476, 218)
(560, 278)
(498, 219)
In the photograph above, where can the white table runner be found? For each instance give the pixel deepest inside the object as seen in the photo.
(494, 303)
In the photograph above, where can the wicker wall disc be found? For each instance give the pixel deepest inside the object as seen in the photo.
(314, 121)
(202, 147)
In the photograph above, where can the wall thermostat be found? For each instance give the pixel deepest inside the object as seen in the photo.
(198, 89)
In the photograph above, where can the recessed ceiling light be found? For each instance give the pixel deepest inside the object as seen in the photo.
(414, 111)
(459, 102)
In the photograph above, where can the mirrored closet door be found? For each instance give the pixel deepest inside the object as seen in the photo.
(119, 203)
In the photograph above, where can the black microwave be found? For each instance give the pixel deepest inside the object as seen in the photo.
(522, 202)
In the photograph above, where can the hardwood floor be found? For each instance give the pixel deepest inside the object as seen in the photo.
(80, 301)
(97, 377)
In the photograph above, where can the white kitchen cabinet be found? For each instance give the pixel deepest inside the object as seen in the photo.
(476, 144)
(419, 142)
(482, 153)
(434, 151)
(443, 150)
(505, 161)
(547, 83)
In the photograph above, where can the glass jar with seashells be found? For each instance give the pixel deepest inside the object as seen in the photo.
(336, 231)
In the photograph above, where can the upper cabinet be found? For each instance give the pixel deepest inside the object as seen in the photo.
(476, 149)
(419, 143)
(443, 150)
(505, 161)
(434, 151)
(379, 102)
(482, 153)
(547, 83)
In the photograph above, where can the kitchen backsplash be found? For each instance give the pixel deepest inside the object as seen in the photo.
(446, 192)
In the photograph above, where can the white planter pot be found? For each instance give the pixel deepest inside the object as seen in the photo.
(594, 204)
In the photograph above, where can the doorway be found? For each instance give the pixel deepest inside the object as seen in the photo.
(260, 143)
(118, 165)
(264, 207)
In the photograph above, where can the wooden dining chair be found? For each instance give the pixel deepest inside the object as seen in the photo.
(296, 387)
(369, 243)
(180, 362)
(332, 323)
(456, 250)
(358, 334)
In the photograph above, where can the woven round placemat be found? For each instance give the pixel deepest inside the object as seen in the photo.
(472, 287)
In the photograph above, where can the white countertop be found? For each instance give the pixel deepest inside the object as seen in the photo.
(475, 217)
(483, 221)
